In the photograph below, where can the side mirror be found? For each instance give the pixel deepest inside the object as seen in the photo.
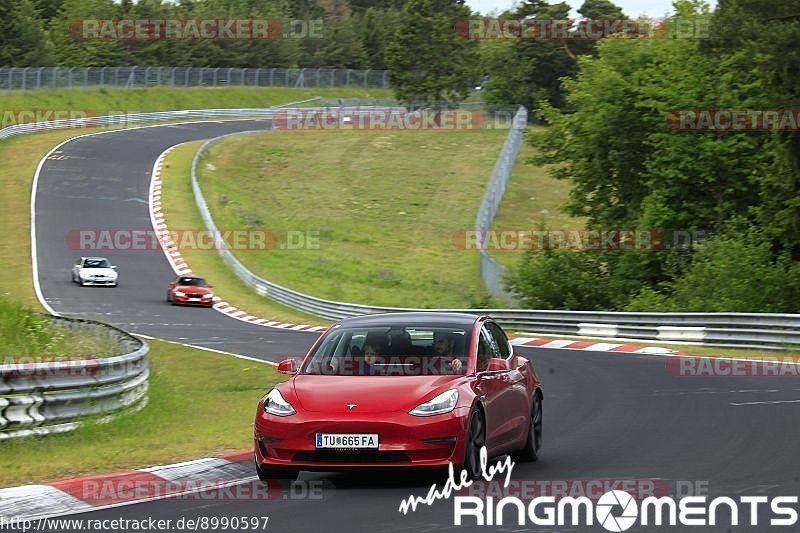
(496, 365)
(113, 267)
(288, 366)
(210, 286)
(173, 283)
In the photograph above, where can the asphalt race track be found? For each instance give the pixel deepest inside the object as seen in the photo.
(101, 182)
(608, 416)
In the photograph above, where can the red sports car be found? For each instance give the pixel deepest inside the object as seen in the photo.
(400, 390)
(190, 290)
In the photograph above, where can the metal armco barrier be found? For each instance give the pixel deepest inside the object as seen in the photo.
(28, 78)
(134, 119)
(742, 330)
(52, 397)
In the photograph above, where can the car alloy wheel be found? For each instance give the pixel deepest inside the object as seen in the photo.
(476, 439)
(533, 446)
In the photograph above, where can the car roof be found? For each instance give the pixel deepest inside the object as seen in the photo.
(417, 318)
(190, 277)
(96, 258)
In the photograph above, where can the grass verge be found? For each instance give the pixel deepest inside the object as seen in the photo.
(207, 411)
(532, 201)
(180, 212)
(104, 100)
(375, 215)
(26, 334)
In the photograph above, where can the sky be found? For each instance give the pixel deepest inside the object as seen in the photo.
(632, 8)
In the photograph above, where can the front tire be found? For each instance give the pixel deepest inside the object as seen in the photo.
(533, 447)
(476, 439)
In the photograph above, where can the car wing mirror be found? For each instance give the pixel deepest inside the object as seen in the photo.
(497, 365)
(288, 366)
(113, 267)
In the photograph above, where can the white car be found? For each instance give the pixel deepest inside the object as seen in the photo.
(94, 271)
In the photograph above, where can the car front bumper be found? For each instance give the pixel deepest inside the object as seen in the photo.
(184, 300)
(403, 440)
(104, 282)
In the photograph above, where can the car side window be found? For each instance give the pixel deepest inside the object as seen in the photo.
(500, 339)
(487, 349)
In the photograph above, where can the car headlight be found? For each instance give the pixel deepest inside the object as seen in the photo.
(274, 404)
(444, 403)
(180, 293)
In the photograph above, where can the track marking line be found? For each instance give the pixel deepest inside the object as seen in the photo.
(773, 402)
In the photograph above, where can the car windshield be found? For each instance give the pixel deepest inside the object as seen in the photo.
(96, 263)
(395, 351)
(193, 282)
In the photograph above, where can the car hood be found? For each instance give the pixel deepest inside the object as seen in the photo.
(193, 289)
(99, 272)
(372, 394)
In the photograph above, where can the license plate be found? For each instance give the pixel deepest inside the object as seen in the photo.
(327, 440)
(194, 299)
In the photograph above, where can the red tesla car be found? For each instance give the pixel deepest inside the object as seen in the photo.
(400, 390)
(190, 290)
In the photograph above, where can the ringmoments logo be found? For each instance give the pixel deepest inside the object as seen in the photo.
(618, 510)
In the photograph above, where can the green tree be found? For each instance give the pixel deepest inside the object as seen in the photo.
(428, 61)
(22, 40)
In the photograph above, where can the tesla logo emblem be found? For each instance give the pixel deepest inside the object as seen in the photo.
(352, 406)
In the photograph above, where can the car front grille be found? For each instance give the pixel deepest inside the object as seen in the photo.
(351, 456)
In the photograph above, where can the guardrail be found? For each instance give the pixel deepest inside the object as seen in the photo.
(134, 119)
(739, 330)
(26, 78)
(52, 397)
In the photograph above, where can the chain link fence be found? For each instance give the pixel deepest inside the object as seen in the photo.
(140, 77)
(492, 272)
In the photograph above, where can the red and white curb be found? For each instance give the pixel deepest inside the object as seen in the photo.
(70, 496)
(179, 265)
(591, 346)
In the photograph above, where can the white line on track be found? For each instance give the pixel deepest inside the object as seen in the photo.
(205, 348)
(774, 402)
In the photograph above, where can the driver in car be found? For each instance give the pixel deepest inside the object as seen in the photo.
(443, 346)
